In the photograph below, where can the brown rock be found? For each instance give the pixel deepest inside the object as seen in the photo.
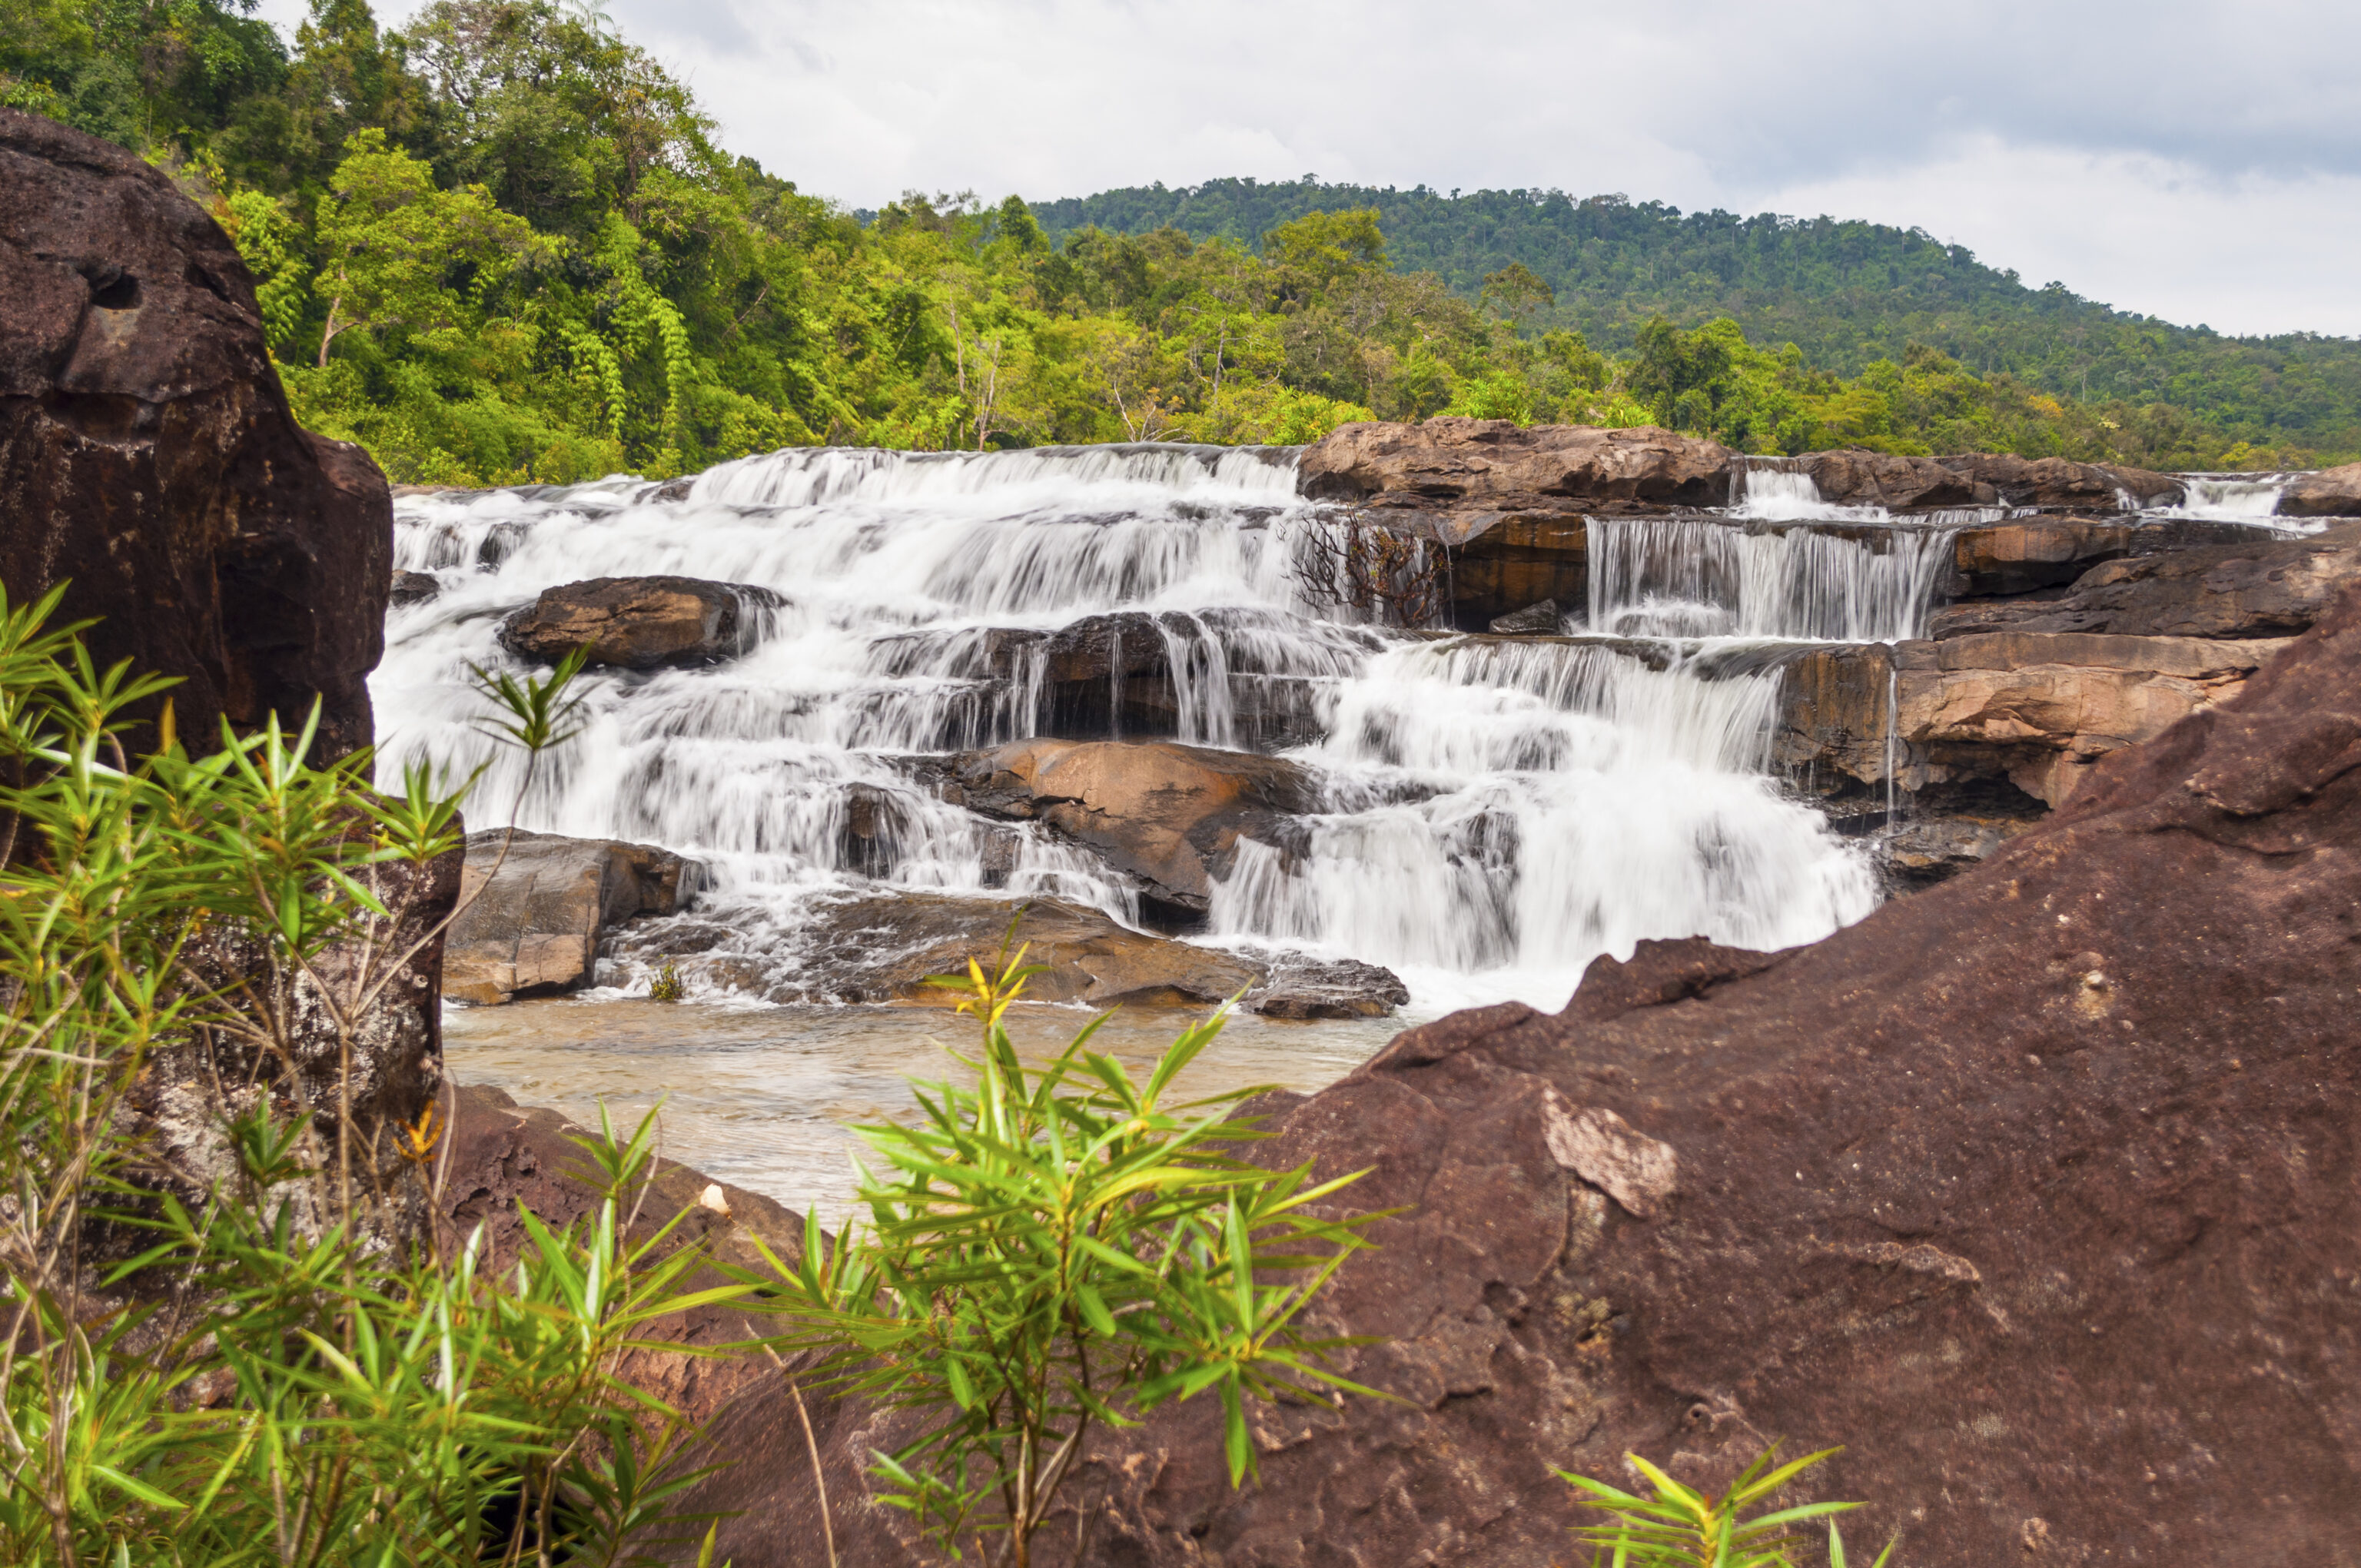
(639, 623)
(533, 905)
(2331, 492)
(1853, 477)
(1167, 814)
(2039, 553)
(1517, 561)
(883, 947)
(412, 587)
(2026, 1190)
(2267, 587)
(148, 454)
(2057, 482)
(1465, 466)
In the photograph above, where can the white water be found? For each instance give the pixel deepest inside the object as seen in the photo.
(1499, 814)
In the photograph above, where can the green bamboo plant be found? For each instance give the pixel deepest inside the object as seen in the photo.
(268, 1372)
(1679, 1526)
(1057, 1250)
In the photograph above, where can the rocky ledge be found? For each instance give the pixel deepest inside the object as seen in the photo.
(883, 947)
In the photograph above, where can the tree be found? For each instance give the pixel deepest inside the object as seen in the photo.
(398, 252)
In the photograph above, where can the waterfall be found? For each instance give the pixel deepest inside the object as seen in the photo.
(1494, 814)
(1697, 577)
(2250, 498)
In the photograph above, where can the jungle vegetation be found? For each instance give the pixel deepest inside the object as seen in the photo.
(505, 244)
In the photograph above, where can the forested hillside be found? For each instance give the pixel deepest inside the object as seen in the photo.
(504, 245)
(1848, 293)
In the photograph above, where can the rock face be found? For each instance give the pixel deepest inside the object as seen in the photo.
(531, 918)
(882, 946)
(2057, 482)
(1880, 478)
(1467, 466)
(1165, 814)
(639, 623)
(2267, 587)
(147, 452)
(2026, 1190)
(2331, 492)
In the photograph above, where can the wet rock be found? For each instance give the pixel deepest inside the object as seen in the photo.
(883, 948)
(1296, 985)
(1467, 468)
(1916, 855)
(1165, 814)
(1852, 477)
(1940, 1187)
(414, 588)
(640, 623)
(533, 905)
(2058, 482)
(1535, 619)
(1508, 562)
(148, 456)
(2331, 492)
(2039, 553)
(2267, 587)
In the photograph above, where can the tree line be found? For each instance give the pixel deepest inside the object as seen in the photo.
(503, 243)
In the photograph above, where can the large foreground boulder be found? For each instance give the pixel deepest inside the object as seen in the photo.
(2331, 492)
(532, 906)
(148, 454)
(2037, 1191)
(1467, 466)
(640, 623)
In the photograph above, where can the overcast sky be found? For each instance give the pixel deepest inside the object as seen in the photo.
(2199, 162)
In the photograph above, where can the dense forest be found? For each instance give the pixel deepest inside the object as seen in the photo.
(503, 244)
(1848, 293)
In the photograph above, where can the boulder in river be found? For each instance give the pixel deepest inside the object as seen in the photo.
(1468, 467)
(1167, 815)
(532, 906)
(640, 623)
(882, 946)
(1853, 477)
(2060, 482)
(147, 453)
(1541, 619)
(2331, 492)
(2034, 1191)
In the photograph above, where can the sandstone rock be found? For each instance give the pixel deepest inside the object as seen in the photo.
(1918, 854)
(2010, 1188)
(1469, 466)
(2331, 492)
(2268, 586)
(1535, 619)
(412, 587)
(532, 918)
(1508, 563)
(2058, 482)
(882, 946)
(1853, 477)
(640, 623)
(2039, 553)
(1167, 814)
(148, 454)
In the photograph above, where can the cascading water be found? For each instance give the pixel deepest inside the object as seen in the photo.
(1498, 814)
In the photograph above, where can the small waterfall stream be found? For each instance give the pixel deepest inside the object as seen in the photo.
(1497, 812)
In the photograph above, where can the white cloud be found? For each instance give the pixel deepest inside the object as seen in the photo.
(2195, 158)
